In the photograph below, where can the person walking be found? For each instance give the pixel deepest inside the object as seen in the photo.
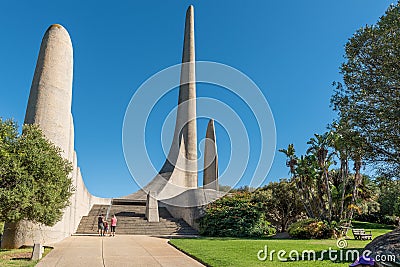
(105, 227)
(113, 225)
(100, 224)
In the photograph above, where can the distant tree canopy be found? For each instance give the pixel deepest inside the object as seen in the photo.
(34, 177)
(369, 99)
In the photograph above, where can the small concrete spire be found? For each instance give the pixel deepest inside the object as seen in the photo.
(210, 174)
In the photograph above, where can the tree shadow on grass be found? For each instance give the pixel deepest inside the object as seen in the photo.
(21, 259)
(369, 225)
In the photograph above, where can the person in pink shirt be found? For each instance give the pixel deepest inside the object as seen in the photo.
(113, 225)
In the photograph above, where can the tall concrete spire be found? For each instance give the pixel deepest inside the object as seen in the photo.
(50, 98)
(175, 186)
(185, 127)
(49, 106)
(210, 174)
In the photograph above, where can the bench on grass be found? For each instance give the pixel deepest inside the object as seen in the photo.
(361, 234)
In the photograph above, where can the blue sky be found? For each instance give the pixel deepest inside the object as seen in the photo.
(291, 49)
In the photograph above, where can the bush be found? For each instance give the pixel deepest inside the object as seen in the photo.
(280, 203)
(234, 216)
(311, 228)
(378, 218)
(389, 220)
(372, 217)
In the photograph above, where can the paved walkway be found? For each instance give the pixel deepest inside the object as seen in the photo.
(124, 250)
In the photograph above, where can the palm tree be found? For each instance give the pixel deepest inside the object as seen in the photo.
(292, 162)
(291, 158)
(341, 145)
(319, 147)
(308, 177)
(357, 158)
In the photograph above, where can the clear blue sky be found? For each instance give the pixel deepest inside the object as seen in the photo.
(291, 49)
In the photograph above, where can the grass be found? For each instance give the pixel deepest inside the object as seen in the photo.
(373, 226)
(243, 252)
(18, 257)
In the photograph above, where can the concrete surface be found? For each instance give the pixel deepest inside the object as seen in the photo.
(118, 251)
(152, 214)
(210, 174)
(50, 98)
(185, 132)
(49, 106)
(176, 185)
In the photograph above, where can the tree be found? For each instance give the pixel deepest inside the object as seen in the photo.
(234, 215)
(280, 202)
(291, 158)
(292, 162)
(34, 178)
(328, 193)
(307, 179)
(305, 175)
(389, 196)
(369, 99)
(342, 150)
(319, 148)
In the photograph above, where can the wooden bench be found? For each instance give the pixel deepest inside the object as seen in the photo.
(361, 234)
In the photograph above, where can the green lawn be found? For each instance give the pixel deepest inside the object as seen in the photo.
(243, 252)
(18, 257)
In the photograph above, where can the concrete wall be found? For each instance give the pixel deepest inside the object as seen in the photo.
(188, 214)
(190, 204)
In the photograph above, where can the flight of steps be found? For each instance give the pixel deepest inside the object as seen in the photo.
(132, 221)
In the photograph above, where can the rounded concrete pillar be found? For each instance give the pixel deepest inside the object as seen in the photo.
(49, 106)
(50, 98)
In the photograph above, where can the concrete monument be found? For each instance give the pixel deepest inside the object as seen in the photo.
(49, 106)
(176, 185)
(185, 127)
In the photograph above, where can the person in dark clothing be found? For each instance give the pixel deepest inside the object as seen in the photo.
(100, 224)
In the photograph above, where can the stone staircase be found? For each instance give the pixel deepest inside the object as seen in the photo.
(132, 221)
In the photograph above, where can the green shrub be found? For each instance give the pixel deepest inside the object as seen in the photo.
(390, 220)
(311, 228)
(234, 216)
(299, 229)
(378, 218)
